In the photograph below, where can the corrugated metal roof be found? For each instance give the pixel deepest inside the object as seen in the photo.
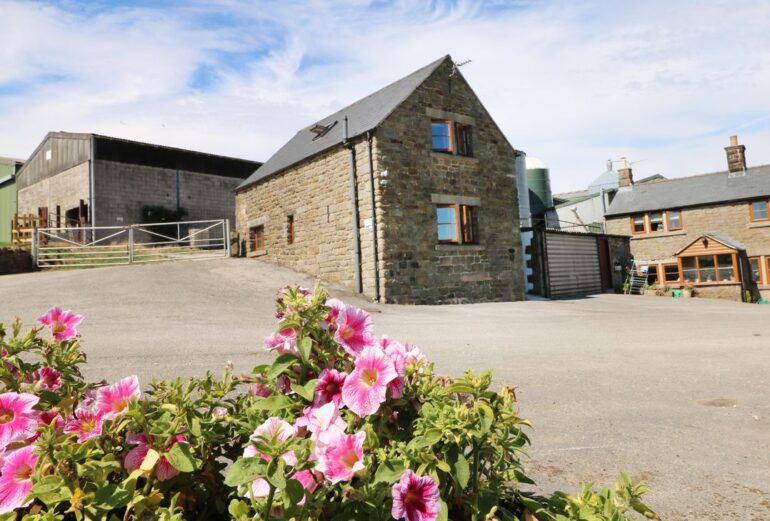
(363, 115)
(692, 191)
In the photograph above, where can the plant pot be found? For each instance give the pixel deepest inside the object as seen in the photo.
(687, 293)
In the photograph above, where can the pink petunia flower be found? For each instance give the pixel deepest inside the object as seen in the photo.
(47, 378)
(354, 330)
(284, 342)
(396, 351)
(415, 498)
(365, 388)
(274, 429)
(112, 401)
(414, 355)
(324, 418)
(18, 421)
(308, 481)
(16, 480)
(340, 455)
(336, 306)
(163, 468)
(87, 424)
(329, 387)
(63, 324)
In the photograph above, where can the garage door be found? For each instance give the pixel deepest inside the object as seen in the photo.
(573, 264)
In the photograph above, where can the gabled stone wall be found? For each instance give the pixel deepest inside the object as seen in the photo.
(417, 268)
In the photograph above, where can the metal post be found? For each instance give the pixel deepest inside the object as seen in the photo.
(131, 245)
(227, 237)
(34, 247)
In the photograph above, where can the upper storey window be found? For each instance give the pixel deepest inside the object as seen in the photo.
(759, 211)
(454, 138)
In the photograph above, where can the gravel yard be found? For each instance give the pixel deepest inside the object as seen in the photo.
(674, 391)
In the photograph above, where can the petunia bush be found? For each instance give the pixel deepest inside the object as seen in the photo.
(342, 425)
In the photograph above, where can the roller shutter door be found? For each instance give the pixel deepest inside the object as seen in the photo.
(573, 264)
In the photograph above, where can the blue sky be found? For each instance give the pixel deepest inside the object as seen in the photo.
(573, 83)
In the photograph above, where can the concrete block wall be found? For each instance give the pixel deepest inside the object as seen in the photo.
(65, 189)
(122, 190)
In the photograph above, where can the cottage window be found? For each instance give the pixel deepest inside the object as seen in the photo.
(290, 229)
(755, 270)
(463, 133)
(457, 224)
(442, 136)
(674, 218)
(758, 210)
(656, 222)
(671, 272)
(257, 238)
(638, 224)
(652, 274)
(689, 269)
(706, 267)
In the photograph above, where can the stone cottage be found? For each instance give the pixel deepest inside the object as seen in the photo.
(711, 231)
(407, 195)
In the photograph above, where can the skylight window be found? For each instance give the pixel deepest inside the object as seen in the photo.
(321, 130)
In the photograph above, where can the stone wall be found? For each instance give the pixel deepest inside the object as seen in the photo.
(65, 189)
(122, 190)
(416, 268)
(316, 193)
(731, 220)
(15, 260)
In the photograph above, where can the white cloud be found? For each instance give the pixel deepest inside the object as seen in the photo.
(572, 83)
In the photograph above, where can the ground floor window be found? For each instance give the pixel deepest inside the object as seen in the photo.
(457, 223)
(652, 274)
(755, 270)
(706, 269)
(257, 238)
(671, 273)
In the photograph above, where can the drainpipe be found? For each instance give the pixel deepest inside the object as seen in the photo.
(374, 223)
(178, 201)
(354, 202)
(91, 209)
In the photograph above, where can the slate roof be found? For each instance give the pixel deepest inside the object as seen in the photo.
(695, 190)
(363, 115)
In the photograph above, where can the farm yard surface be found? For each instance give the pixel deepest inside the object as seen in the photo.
(674, 391)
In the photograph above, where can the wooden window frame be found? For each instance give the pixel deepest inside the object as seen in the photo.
(678, 273)
(699, 282)
(751, 211)
(458, 230)
(466, 223)
(451, 136)
(765, 268)
(760, 270)
(290, 229)
(254, 239)
(459, 130)
(633, 228)
(668, 226)
(648, 219)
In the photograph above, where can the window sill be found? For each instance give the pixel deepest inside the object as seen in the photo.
(460, 247)
(759, 224)
(710, 284)
(258, 253)
(660, 234)
(439, 153)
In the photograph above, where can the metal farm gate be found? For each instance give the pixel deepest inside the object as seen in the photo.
(81, 247)
(573, 264)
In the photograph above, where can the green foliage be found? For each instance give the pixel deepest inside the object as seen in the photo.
(199, 438)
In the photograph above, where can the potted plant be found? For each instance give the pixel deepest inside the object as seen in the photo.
(688, 290)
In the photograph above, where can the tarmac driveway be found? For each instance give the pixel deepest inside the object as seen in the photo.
(674, 391)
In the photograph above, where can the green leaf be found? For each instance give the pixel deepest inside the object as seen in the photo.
(428, 439)
(273, 403)
(486, 416)
(275, 474)
(461, 470)
(195, 428)
(305, 346)
(459, 387)
(443, 514)
(294, 492)
(181, 458)
(281, 364)
(389, 472)
(238, 509)
(112, 496)
(245, 470)
(306, 391)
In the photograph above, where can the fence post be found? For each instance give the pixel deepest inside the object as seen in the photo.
(131, 245)
(227, 237)
(34, 247)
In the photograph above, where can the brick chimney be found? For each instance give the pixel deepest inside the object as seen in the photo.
(736, 156)
(625, 177)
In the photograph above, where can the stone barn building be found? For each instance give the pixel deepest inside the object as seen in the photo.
(408, 196)
(88, 179)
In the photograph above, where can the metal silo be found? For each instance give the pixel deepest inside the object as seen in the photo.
(539, 182)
